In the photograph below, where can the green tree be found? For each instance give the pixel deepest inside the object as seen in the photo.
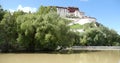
(111, 36)
(26, 32)
(18, 13)
(46, 9)
(93, 37)
(8, 32)
(2, 12)
(44, 32)
(52, 32)
(99, 36)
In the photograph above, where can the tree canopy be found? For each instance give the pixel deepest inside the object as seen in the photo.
(45, 30)
(99, 36)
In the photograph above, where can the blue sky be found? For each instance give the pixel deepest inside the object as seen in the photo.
(106, 12)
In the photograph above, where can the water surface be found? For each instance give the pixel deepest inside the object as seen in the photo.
(88, 57)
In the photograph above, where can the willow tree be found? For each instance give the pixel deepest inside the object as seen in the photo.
(8, 32)
(46, 9)
(99, 36)
(43, 32)
(2, 13)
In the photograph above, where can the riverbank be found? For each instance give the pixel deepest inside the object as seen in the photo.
(94, 48)
(73, 49)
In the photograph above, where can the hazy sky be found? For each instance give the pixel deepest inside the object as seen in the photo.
(106, 12)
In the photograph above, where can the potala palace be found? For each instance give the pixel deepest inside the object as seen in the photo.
(74, 14)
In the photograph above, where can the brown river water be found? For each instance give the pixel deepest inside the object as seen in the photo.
(87, 57)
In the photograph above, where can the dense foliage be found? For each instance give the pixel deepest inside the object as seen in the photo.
(35, 31)
(2, 12)
(76, 26)
(99, 35)
(46, 31)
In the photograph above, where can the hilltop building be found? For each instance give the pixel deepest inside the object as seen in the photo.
(74, 14)
(69, 12)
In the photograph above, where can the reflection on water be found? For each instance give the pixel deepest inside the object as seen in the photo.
(90, 57)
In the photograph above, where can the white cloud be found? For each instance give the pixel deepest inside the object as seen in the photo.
(11, 10)
(25, 9)
(83, 0)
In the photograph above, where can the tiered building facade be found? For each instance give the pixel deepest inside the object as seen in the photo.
(69, 12)
(74, 14)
